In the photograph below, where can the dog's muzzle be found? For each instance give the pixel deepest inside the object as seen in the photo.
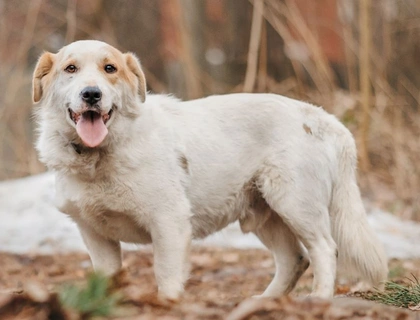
(91, 122)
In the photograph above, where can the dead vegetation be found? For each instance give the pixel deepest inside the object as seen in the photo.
(221, 283)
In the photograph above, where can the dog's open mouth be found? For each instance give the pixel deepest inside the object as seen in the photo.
(90, 115)
(91, 126)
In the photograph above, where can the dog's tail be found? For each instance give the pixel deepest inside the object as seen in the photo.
(359, 250)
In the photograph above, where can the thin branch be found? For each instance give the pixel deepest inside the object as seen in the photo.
(262, 63)
(254, 45)
(365, 84)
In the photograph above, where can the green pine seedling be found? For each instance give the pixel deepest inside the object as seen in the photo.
(93, 300)
(406, 295)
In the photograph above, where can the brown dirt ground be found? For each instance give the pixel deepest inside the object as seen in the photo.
(221, 279)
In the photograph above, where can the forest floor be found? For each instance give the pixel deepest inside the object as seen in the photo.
(221, 282)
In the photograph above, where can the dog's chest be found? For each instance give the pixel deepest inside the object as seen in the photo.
(109, 207)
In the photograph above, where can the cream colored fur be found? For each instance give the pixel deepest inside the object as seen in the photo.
(169, 171)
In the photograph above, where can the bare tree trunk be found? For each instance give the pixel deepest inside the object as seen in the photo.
(71, 20)
(191, 38)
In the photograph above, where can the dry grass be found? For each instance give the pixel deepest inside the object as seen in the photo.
(389, 126)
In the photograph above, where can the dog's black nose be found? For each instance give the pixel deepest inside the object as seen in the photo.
(91, 95)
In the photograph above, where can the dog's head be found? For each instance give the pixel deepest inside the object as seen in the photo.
(89, 83)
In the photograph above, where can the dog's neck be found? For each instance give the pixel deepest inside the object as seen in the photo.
(86, 163)
(80, 149)
(67, 154)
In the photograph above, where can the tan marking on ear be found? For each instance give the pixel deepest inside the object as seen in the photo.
(43, 68)
(307, 129)
(133, 65)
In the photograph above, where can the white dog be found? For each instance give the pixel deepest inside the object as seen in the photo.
(144, 168)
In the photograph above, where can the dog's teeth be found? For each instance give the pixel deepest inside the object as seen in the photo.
(106, 117)
(74, 116)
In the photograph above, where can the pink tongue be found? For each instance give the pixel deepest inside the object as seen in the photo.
(91, 131)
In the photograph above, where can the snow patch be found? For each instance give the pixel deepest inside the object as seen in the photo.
(29, 223)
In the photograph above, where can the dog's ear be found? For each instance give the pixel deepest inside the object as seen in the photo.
(133, 64)
(43, 68)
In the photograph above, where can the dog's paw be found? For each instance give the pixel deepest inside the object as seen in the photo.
(170, 290)
(169, 298)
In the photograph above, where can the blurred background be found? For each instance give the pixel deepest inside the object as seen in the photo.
(358, 59)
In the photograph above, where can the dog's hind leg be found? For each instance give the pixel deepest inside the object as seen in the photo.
(290, 258)
(301, 207)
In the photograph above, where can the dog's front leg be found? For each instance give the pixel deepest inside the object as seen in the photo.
(171, 242)
(104, 253)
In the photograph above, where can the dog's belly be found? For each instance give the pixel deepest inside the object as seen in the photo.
(205, 222)
(246, 205)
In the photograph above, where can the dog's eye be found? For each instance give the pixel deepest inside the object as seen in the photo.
(71, 68)
(109, 68)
